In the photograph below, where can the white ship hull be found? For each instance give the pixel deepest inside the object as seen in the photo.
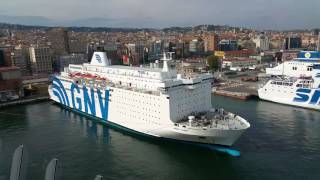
(109, 105)
(290, 96)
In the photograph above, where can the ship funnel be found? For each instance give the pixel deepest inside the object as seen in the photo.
(165, 60)
(100, 59)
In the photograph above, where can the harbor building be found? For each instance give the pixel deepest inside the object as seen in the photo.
(19, 58)
(2, 58)
(182, 49)
(262, 42)
(5, 56)
(77, 46)
(65, 60)
(228, 45)
(293, 42)
(196, 46)
(211, 42)
(238, 62)
(58, 37)
(41, 60)
(155, 50)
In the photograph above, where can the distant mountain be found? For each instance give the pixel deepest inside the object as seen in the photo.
(89, 22)
(100, 24)
(27, 20)
(72, 28)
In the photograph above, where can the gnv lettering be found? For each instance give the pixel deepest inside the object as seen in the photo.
(85, 100)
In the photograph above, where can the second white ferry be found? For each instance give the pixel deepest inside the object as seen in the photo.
(151, 101)
(297, 86)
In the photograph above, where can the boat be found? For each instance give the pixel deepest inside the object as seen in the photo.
(303, 91)
(150, 101)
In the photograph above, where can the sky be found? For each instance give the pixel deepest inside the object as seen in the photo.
(259, 14)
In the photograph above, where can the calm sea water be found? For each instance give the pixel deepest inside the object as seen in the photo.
(283, 143)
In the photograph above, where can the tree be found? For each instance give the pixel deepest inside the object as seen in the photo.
(213, 62)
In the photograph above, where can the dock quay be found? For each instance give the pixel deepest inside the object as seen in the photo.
(242, 91)
(237, 95)
(24, 101)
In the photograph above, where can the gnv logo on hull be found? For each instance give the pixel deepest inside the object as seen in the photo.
(87, 100)
(306, 95)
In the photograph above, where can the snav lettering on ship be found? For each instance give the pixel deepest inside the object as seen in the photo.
(304, 95)
(89, 101)
(315, 98)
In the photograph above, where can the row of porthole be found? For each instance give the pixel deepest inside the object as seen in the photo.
(133, 105)
(123, 97)
(148, 112)
(133, 116)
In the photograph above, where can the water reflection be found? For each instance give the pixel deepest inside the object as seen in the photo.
(282, 143)
(292, 122)
(90, 127)
(12, 118)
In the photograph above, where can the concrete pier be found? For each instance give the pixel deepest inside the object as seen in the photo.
(237, 90)
(24, 101)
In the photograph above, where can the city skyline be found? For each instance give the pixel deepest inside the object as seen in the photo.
(261, 14)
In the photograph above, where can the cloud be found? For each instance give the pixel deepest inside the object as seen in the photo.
(275, 14)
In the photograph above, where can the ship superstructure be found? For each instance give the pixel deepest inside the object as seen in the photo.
(151, 101)
(302, 91)
(301, 66)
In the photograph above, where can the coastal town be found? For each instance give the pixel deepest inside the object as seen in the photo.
(29, 55)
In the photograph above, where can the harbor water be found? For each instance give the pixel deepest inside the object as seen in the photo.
(282, 143)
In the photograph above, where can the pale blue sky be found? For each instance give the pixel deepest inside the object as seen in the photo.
(274, 14)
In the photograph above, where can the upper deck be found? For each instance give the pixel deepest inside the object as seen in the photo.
(300, 66)
(149, 78)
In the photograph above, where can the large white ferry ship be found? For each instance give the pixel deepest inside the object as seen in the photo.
(151, 101)
(297, 86)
